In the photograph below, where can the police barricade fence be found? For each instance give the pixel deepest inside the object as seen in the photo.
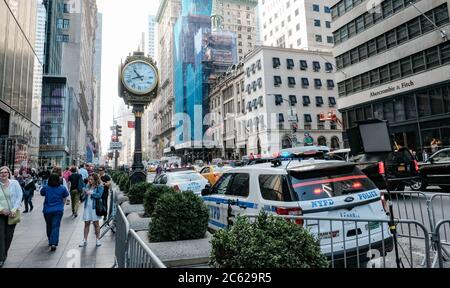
(122, 230)
(139, 254)
(442, 254)
(410, 205)
(367, 243)
(110, 223)
(428, 209)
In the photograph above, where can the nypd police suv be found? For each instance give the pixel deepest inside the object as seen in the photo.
(308, 187)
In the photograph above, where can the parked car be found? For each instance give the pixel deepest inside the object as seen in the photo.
(187, 180)
(212, 173)
(400, 167)
(307, 187)
(434, 172)
(340, 154)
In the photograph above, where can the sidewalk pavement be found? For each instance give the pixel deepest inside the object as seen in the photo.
(29, 248)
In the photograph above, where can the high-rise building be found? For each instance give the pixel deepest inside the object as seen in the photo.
(78, 35)
(168, 13)
(98, 84)
(151, 48)
(299, 24)
(393, 63)
(37, 83)
(17, 56)
(239, 16)
(68, 87)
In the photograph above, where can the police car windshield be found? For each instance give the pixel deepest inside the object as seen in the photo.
(325, 181)
(185, 177)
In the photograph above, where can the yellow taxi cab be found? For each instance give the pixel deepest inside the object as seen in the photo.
(212, 172)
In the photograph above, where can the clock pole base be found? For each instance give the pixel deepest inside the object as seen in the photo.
(137, 176)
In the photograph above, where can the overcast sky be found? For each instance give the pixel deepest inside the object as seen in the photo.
(123, 24)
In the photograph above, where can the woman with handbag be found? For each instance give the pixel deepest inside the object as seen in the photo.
(55, 197)
(10, 199)
(93, 192)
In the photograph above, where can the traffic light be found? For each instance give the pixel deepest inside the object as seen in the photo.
(118, 130)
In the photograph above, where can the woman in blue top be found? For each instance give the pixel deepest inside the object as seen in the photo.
(55, 197)
(93, 191)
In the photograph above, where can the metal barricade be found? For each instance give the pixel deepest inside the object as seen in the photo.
(122, 229)
(139, 254)
(411, 205)
(437, 205)
(442, 254)
(368, 243)
(110, 223)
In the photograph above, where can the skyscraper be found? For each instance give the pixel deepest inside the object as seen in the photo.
(300, 24)
(395, 64)
(17, 56)
(152, 36)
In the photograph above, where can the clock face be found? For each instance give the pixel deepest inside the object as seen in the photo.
(139, 77)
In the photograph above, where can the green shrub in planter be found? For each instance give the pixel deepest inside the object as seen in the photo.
(178, 216)
(268, 242)
(137, 191)
(124, 183)
(152, 195)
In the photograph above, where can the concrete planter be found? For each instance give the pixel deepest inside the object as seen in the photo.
(138, 222)
(130, 208)
(177, 254)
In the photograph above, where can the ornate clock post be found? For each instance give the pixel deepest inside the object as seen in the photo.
(138, 85)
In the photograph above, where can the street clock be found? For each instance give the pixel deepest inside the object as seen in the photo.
(138, 80)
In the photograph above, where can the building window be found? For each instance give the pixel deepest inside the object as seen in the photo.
(316, 23)
(328, 24)
(330, 84)
(331, 101)
(260, 82)
(316, 66)
(276, 62)
(303, 65)
(306, 101)
(319, 101)
(291, 81)
(307, 118)
(260, 101)
(290, 64)
(292, 100)
(305, 82)
(327, 9)
(316, 8)
(328, 67)
(318, 38)
(317, 83)
(66, 24)
(278, 99)
(280, 118)
(277, 80)
(59, 23)
(258, 64)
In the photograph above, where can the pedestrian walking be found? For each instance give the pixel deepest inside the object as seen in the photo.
(67, 174)
(93, 191)
(10, 199)
(76, 186)
(28, 193)
(84, 173)
(55, 196)
(106, 181)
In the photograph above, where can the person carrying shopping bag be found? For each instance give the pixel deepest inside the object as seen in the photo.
(93, 192)
(10, 199)
(55, 196)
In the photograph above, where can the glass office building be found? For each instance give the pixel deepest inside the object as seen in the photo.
(17, 56)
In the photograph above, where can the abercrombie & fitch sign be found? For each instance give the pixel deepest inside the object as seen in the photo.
(400, 86)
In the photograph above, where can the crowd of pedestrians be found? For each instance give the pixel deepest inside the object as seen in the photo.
(81, 183)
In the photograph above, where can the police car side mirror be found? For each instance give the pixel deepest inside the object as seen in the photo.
(207, 190)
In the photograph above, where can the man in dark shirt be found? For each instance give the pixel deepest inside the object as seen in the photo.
(106, 180)
(75, 187)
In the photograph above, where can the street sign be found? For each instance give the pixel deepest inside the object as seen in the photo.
(115, 145)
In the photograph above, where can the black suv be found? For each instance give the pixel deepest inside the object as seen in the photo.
(434, 172)
(400, 167)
